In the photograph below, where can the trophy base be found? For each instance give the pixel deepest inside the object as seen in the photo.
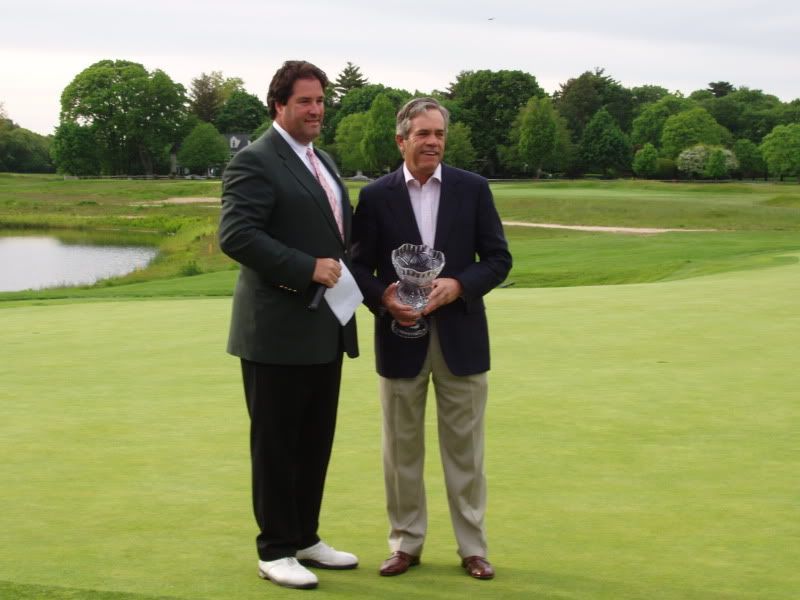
(417, 330)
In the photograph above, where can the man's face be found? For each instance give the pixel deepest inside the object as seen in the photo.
(424, 147)
(302, 114)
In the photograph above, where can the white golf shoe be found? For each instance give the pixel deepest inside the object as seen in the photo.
(288, 573)
(322, 556)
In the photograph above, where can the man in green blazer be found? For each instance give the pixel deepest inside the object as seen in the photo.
(286, 220)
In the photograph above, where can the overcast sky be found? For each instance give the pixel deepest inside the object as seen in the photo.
(423, 45)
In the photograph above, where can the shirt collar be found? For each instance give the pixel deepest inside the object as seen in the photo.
(437, 174)
(293, 143)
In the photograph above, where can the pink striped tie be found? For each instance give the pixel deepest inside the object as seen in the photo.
(337, 210)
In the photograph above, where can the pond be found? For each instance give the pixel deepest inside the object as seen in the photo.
(50, 260)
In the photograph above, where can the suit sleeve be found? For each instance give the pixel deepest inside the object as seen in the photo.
(494, 259)
(248, 200)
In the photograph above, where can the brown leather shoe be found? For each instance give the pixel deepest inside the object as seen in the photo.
(478, 567)
(398, 563)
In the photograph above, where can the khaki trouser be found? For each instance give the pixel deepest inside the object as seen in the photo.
(460, 406)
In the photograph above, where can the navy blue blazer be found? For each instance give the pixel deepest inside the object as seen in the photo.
(468, 231)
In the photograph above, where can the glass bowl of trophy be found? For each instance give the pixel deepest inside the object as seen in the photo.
(416, 266)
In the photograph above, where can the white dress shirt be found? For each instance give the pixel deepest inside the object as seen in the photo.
(425, 202)
(300, 150)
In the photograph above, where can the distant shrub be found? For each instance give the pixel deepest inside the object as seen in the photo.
(190, 269)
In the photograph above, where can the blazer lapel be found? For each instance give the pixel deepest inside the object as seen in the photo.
(400, 206)
(448, 207)
(305, 178)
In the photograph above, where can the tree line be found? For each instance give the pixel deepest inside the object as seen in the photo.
(118, 118)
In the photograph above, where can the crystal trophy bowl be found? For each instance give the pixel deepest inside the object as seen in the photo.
(416, 266)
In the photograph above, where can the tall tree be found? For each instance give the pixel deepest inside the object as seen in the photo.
(243, 112)
(648, 126)
(134, 115)
(378, 143)
(691, 127)
(720, 88)
(646, 94)
(751, 163)
(604, 146)
(781, 150)
(580, 98)
(348, 142)
(488, 102)
(349, 79)
(537, 133)
(205, 97)
(360, 100)
(458, 150)
(22, 150)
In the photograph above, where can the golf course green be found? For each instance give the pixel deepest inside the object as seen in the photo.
(641, 438)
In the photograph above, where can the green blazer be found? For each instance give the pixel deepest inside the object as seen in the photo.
(275, 221)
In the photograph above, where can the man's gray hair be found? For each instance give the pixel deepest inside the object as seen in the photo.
(414, 108)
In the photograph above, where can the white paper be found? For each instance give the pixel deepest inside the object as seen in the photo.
(344, 297)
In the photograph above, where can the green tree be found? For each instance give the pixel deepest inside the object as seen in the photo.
(746, 113)
(378, 144)
(348, 142)
(645, 161)
(604, 146)
(203, 148)
(243, 112)
(691, 127)
(646, 94)
(259, 131)
(134, 114)
(716, 165)
(751, 163)
(537, 133)
(781, 150)
(649, 124)
(349, 79)
(458, 150)
(720, 88)
(359, 100)
(205, 97)
(22, 150)
(579, 99)
(75, 150)
(488, 102)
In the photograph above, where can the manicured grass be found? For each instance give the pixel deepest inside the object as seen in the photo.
(738, 206)
(641, 444)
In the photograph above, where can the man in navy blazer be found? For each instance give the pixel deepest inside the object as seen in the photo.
(448, 209)
(284, 222)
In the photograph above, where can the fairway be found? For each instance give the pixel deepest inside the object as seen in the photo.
(641, 443)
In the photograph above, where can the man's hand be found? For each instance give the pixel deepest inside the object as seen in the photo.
(445, 290)
(402, 313)
(327, 271)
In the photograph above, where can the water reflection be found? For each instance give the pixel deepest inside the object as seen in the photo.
(36, 262)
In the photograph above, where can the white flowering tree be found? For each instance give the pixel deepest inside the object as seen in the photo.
(706, 161)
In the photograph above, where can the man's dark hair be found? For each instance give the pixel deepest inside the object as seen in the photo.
(280, 88)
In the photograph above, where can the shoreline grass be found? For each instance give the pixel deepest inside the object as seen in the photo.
(760, 222)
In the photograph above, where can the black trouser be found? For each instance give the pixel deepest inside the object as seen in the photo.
(292, 420)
